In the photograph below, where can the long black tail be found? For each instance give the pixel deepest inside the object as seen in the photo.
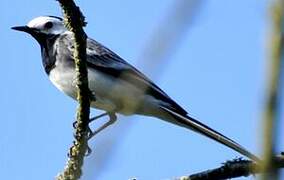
(193, 124)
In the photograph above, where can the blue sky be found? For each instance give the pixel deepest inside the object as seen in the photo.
(217, 73)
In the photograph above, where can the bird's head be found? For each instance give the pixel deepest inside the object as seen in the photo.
(43, 26)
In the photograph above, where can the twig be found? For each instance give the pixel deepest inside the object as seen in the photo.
(74, 21)
(271, 112)
(233, 169)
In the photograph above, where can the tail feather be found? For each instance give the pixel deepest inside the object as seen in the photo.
(193, 124)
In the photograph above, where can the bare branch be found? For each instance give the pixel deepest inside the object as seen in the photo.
(272, 109)
(233, 169)
(74, 21)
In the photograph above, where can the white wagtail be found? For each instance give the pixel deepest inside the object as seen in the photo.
(118, 87)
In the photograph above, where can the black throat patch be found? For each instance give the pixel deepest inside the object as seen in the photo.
(47, 51)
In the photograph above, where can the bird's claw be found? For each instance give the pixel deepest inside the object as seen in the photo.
(90, 134)
(89, 151)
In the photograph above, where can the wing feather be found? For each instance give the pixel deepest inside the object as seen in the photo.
(106, 61)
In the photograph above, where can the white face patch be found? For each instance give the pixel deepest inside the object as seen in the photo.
(47, 25)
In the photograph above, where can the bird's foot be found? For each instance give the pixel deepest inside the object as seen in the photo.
(90, 133)
(112, 119)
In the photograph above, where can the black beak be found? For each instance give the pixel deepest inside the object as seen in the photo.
(40, 37)
(22, 28)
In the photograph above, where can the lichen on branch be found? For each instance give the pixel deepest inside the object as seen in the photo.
(74, 22)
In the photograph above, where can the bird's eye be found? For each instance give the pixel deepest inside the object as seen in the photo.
(48, 25)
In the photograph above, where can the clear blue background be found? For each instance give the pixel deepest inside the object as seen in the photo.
(217, 73)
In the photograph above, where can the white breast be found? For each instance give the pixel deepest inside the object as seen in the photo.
(64, 80)
(111, 94)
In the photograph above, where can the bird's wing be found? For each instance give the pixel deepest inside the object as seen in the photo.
(103, 59)
(106, 61)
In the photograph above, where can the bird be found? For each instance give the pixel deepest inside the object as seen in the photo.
(116, 86)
